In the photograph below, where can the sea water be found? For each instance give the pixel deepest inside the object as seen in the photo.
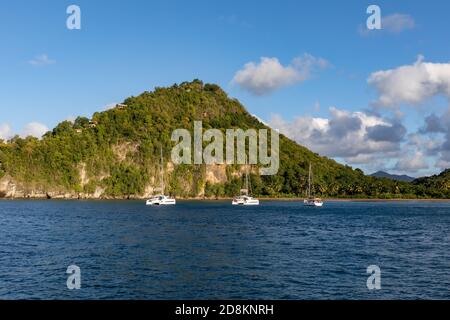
(212, 250)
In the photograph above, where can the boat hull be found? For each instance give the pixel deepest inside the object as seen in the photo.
(313, 203)
(251, 203)
(161, 202)
(245, 202)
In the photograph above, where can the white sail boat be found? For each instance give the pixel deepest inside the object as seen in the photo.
(312, 201)
(244, 199)
(162, 199)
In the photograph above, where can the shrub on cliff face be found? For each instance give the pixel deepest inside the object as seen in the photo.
(125, 180)
(2, 171)
(214, 190)
(90, 187)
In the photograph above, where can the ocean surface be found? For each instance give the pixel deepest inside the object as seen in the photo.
(211, 250)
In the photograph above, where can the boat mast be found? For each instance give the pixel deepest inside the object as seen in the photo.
(309, 181)
(162, 173)
(246, 190)
(247, 181)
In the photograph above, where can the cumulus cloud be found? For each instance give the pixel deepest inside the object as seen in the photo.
(411, 84)
(412, 163)
(367, 139)
(354, 136)
(34, 129)
(5, 131)
(397, 22)
(394, 132)
(433, 124)
(41, 60)
(433, 138)
(269, 74)
(426, 144)
(444, 150)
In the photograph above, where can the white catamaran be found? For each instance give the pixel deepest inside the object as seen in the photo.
(161, 200)
(244, 199)
(312, 201)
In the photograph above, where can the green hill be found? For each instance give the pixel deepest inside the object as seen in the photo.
(437, 186)
(116, 155)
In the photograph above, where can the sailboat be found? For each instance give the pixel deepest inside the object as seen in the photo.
(244, 199)
(162, 199)
(312, 201)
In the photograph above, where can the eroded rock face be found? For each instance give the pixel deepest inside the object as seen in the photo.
(8, 189)
(84, 180)
(61, 195)
(149, 191)
(216, 173)
(11, 190)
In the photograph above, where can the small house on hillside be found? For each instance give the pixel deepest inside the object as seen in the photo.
(121, 106)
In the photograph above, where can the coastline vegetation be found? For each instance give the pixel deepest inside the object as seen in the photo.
(117, 152)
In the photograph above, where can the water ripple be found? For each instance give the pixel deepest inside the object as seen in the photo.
(210, 250)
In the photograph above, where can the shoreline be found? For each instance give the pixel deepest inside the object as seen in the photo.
(282, 199)
(363, 199)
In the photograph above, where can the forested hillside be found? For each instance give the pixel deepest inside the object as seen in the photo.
(437, 186)
(116, 155)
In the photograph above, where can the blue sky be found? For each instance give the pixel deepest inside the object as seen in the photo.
(50, 73)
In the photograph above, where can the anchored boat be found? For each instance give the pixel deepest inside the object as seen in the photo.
(162, 199)
(244, 199)
(312, 201)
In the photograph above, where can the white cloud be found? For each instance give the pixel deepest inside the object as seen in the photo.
(5, 131)
(345, 134)
(428, 143)
(397, 22)
(41, 60)
(34, 129)
(364, 139)
(411, 84)
(433, 139)
(412, 163)
(269, 74)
